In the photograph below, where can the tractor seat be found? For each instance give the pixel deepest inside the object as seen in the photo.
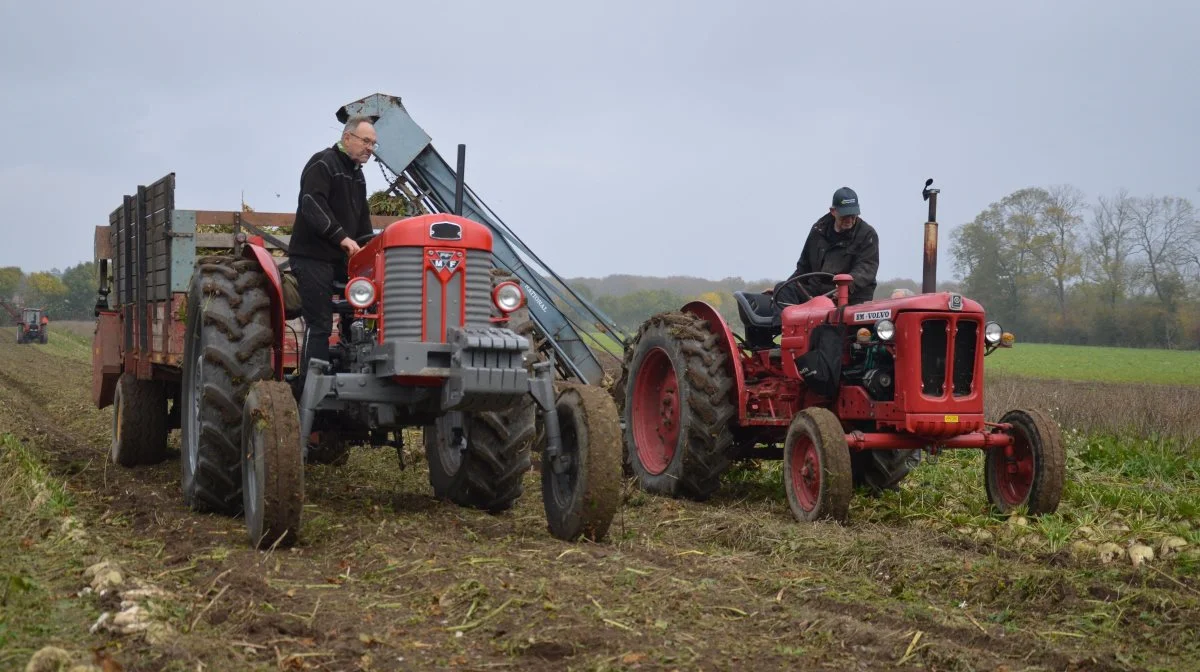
(761, 318)
(756, 310)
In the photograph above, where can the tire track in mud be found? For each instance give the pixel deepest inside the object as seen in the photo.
(645, 597)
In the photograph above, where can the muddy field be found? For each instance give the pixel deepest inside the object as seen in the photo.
(108, 565)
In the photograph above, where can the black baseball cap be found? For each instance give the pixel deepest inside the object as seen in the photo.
(845, 202)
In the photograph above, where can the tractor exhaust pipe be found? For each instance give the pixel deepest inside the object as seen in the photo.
(458, 180)
(929, 281)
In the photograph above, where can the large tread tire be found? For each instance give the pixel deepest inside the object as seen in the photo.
(816, 467)
(882, 470)
(1032, 475)
(581, 502)
(677, 366)
(139, 427)
(227, 348)
(272, 465)
(488, 474)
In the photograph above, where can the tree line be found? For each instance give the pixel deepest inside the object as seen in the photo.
(1055, 267)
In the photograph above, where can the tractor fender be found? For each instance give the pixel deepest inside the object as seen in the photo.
(255, 250)
(705, 311)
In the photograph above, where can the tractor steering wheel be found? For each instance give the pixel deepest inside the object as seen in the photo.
(800, 287)
(364, 239)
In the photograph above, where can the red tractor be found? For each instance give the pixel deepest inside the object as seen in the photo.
(853, 393)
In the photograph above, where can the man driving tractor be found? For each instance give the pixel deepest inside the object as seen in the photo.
(839, 242)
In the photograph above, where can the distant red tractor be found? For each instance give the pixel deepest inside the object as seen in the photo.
(852, 392)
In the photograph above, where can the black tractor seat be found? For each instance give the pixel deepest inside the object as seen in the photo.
(761, 318)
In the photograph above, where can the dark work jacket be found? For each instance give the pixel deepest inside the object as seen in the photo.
(332, 205)
(855, 252)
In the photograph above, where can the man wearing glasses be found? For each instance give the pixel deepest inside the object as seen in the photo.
(331, 215)
(839, 242)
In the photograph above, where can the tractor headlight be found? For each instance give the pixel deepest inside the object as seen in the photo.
(508, 296)
(360, 292)
(992, 333)
(885, 330)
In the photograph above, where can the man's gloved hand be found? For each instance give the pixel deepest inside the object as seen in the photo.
(350, 246)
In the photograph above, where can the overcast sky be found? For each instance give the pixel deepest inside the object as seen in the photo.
(699, 138)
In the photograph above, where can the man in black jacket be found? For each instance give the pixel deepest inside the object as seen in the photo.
(331, 215)
(839, 242)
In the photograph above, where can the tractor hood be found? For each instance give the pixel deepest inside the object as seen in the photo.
(887, 309)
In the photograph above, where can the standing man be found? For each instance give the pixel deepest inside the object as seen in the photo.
(331, 214)
(839, 242)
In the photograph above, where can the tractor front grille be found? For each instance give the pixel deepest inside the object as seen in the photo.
(407, 280)
(402, 293)
(936, 353)
(965, 339)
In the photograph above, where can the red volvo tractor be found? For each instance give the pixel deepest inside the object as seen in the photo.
(429, 332)
(852, 393)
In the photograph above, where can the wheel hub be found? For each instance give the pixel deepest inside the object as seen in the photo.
(656, 409)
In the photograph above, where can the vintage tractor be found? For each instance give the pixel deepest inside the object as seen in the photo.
(852, 393)
(437, 338)
(199, 328)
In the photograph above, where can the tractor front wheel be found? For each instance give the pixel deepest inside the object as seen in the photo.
(679, 407)
(272, 465)
(816, 467)
(139, 426)
(1030, 472)
(581, 496)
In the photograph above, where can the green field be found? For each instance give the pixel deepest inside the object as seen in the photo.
(1088, 363)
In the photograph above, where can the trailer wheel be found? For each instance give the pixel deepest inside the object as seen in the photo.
(272, 465)
(679, 407)
(816, 467)
(139, 426)
(582, 500)
(1031, 471)
(227, 348)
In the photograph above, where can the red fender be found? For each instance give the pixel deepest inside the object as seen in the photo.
(254, 247)
(717, 323)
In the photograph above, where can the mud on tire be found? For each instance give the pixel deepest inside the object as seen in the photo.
(227, 347)
(882, 470)
(678, 407)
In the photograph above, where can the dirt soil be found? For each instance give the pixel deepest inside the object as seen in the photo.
(388, 578)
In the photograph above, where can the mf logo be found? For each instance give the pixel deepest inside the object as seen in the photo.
(445, 262)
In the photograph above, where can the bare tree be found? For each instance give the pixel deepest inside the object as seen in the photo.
(1164, 232)
(1110, 246)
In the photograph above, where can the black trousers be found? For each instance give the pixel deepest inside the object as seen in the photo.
(315, 278)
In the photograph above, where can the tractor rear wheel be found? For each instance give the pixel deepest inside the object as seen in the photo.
(139, 426)
(816, 467)
(582, 500)
(679, 407)
(1031, 471)
(272, 465)
(226, 349)
(483, 467)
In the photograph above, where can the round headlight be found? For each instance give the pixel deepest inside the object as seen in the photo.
(360, 292)
(992, 333)
(508, 296)
(885, 330)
